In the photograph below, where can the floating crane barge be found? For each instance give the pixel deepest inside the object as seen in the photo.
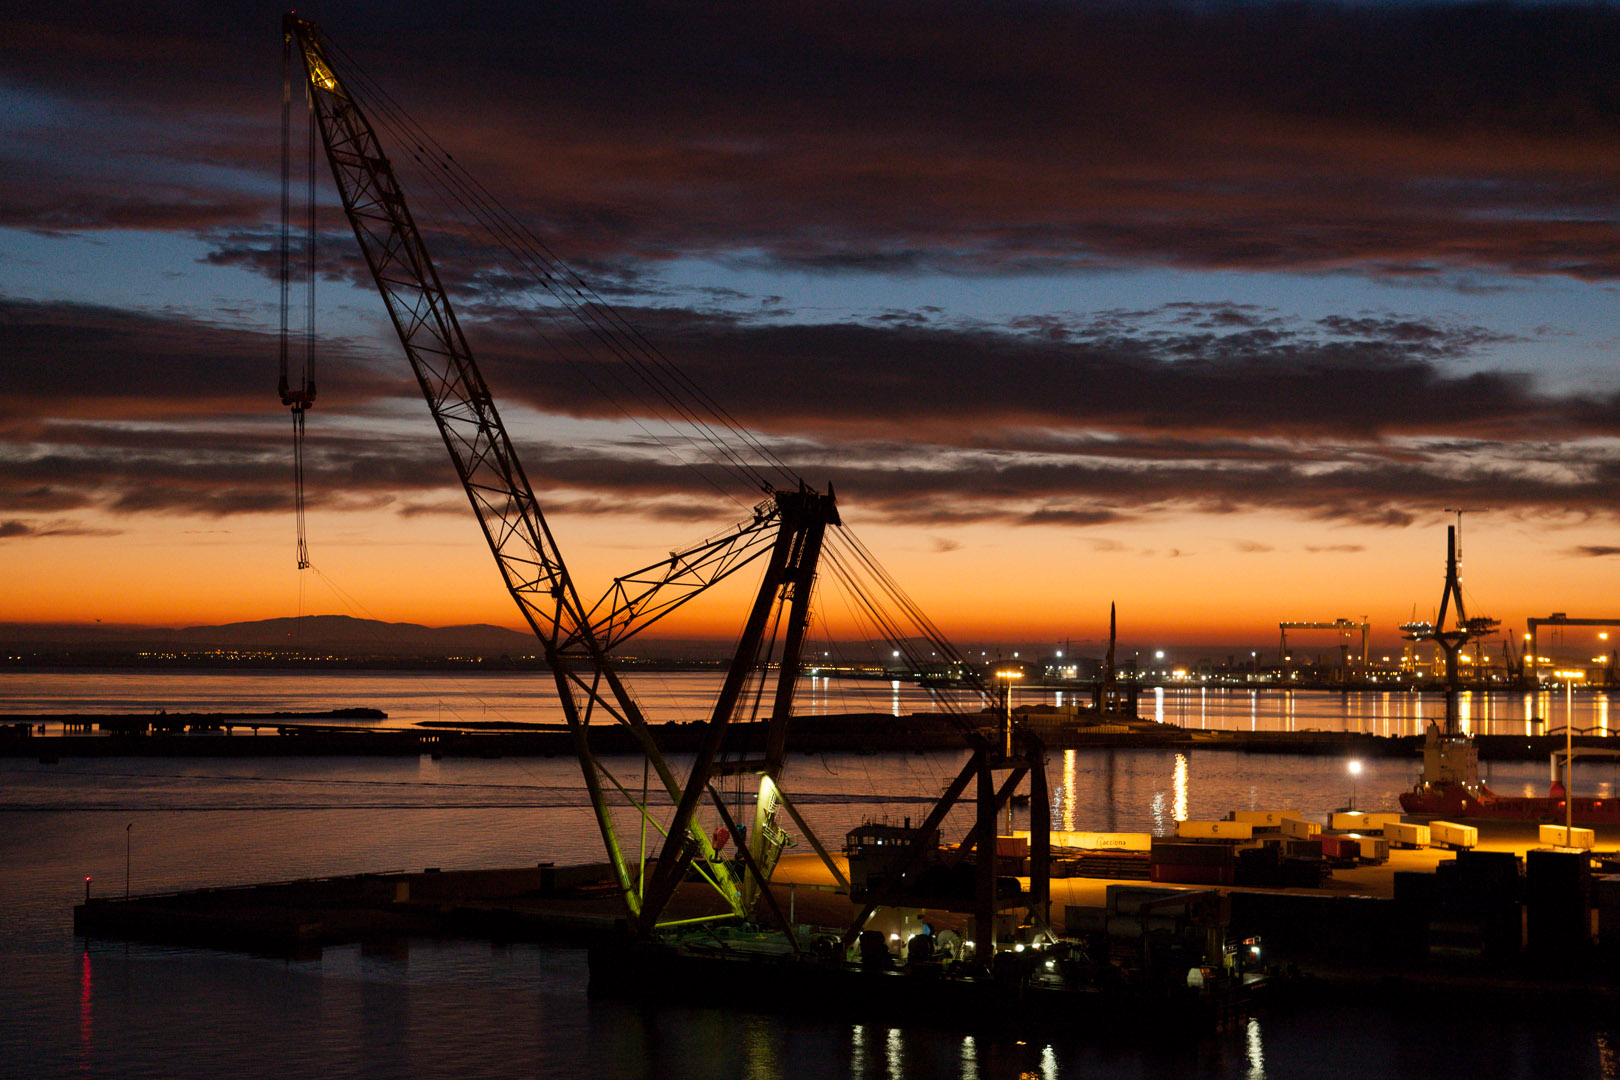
(656, 952)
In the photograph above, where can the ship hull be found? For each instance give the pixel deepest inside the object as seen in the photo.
(1453, 802)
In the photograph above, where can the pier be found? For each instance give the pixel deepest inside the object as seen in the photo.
(1511, 921)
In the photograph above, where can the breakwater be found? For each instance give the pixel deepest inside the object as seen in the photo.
(318, 734)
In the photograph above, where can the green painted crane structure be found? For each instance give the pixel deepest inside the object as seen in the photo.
(785, 532)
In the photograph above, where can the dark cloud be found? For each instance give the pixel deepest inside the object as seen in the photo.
(144, 414)
(1364, 378)
(1401, 139)
(86, 361)
(1594, 551)
(15, 529)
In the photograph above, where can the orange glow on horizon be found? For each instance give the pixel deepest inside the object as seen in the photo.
(1181, 580)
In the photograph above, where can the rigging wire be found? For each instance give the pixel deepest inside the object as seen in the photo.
(610, 329)
(301, 397)
(686, 409)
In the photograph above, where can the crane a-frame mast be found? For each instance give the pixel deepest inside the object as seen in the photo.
(786, 529)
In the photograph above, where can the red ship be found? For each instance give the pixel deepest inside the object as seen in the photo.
(1449, 788)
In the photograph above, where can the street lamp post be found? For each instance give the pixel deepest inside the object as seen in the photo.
(1569, 678)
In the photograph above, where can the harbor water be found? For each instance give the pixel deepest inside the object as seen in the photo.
(496, 699)
(433, 1008)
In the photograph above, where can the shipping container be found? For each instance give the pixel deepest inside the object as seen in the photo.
(1214, 830)
(1012, 847)
(1263, 819)
(1300, 829)
(1450, 834)
(1404, 835)
(1559, 836)
(1194, 875)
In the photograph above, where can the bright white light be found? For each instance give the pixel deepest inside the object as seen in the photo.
(1158, 654)
(1355, 768)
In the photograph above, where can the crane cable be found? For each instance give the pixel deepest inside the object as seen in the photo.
(714, 426)
(708, 426)
(301, 397)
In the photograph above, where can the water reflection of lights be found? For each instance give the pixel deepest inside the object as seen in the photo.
(761, 1050)
(1602, 701)
(896, 1054)
(1158, 704)
(86, 1015)
(1256, 1052)
(970, 1059)
(1070, 759)
(895, 685)
(1180, 788)
(1049, 1064)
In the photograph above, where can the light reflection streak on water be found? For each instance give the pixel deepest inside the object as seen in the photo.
(1070, 759)
(1254, 710)
(1180, 787)
(1049, 1063)
(970, 1059)
(896, 1055)
(1256, 1052)
(86, 1015)
(1158, 704)
(857, 1052)
(761, 1050)
(1602, 713)
(895, 707)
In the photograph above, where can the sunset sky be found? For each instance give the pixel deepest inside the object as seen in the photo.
(1207, 309)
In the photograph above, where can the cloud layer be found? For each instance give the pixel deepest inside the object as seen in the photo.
(852, 141)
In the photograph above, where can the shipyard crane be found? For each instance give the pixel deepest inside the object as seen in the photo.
(1463, 630)
(786, 531)
(1342, 626)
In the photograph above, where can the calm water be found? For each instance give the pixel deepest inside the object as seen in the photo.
(434, 1008)
(527, 698)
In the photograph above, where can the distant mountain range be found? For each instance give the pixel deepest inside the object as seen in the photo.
(342, 636)
(311, 633)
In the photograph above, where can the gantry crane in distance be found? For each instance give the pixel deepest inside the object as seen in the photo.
(1532, 653)
(1342, 626)
(787, 530)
